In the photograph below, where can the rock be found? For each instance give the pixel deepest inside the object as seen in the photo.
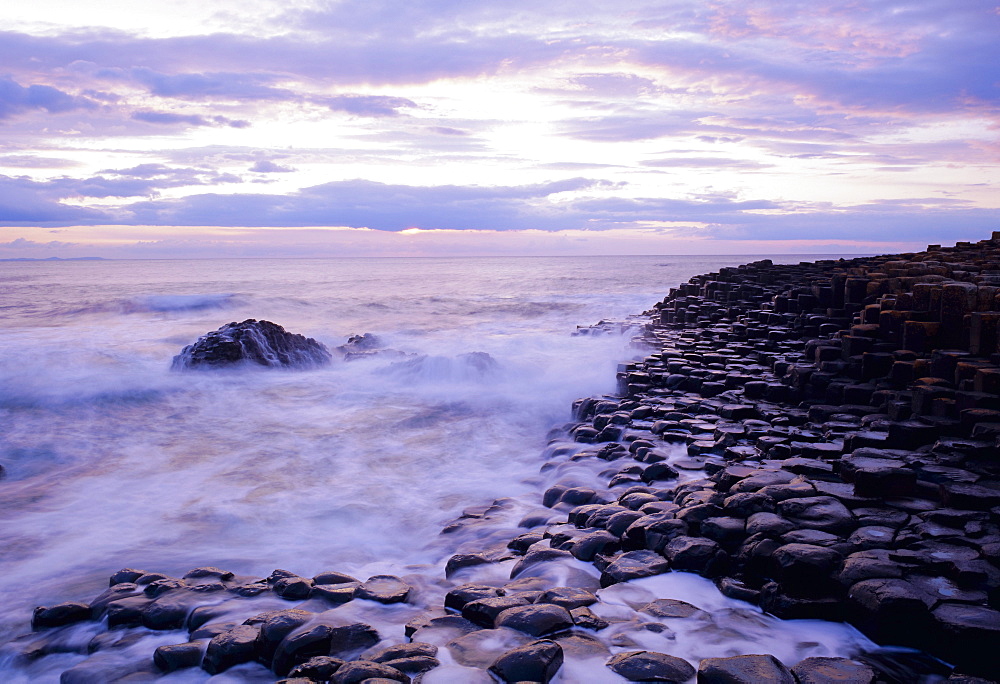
(567, 597)
(538, 661)
(60, 614)
(293, 588)
(210, 572)
(300, 646)
(697, 554)
(275, 626)
(232, 647)
(334, 578)
(485, 611)
(358, 671)
(823, 513)
(178, 656)
(970, 635)
(125, 575)
(891, 609)
(538, 620)
(819, 670)
(320, 668)
(744, 669)
(633, 565)
(387, 654)
(670, 608)
(649, 666)
(585, 618)
(384, 589)
(805, 566)
(252, 342)
(459, 597)
(335, 593)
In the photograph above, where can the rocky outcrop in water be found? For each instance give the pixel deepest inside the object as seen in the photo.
(252, 342)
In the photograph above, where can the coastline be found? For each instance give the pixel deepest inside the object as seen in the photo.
(727, 379)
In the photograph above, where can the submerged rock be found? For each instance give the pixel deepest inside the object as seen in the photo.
(252, 342)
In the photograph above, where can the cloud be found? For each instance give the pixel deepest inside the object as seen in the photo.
(174, 119)
(703, 163)
(266, 166)
(17, 99)
(367, 105)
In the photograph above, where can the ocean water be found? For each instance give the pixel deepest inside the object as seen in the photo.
(112, 460)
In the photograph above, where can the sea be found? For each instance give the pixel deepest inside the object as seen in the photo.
(112, 460)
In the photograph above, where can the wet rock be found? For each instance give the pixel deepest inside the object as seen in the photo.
(820, 670)
(824, 513)
(298, 647)
(670, 608)
(536, 557)
(584, 617)
(384, 589)
(598, 542)
(330, 577)
(232, 647)
(744, 669)
(274, 626)
(633, 565)
(126, 612)
(178, 656)
(459, 597)
(320, 668)
(806, 566)
(649, 666)
(969, 635)
(358, 671)
(538, 661)
(539, 620)
(485, 611)
(335, 593)
(252, 342)
(125, 575)
(209, 572)
(388, 654)
(60, 614)
(891, 609)
(293, 588)
(697, 554)
(567, 597)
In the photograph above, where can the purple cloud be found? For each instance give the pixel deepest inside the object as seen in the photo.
(16, 99)
(267, 166)
(174, 119)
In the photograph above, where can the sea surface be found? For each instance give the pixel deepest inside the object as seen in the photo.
(112, 460)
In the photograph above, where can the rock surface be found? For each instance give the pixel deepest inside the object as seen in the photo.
(252, 342)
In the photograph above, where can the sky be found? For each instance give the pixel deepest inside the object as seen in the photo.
(445, 127)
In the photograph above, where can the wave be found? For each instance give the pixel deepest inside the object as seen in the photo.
(157, 304)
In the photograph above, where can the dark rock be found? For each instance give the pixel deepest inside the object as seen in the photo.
(633, 565)
(654, 531)
(535, 557)
(670, 608)
(384, 589)
(178, 656)
(769, 524)
(275, 626)
(125, 575)
(335, 593)
(60, 614)
(805, 566)
(823, 513)
(485, 611)
(584, 617)
(567, 597)
(805, 604)
(539, 620)
(252, 342)
(169, 611)
(649, 666)
(970, 635)
(358, 671)
(320, 668)
(232, 647)
(744, 669)
(210, 572)
(334, 578)
(387, 654)
(697, 554)
(300, 646)
(126, 612)
(293, 588)
(819, 670)
(891, 609)
(459, 597)
(538, 661)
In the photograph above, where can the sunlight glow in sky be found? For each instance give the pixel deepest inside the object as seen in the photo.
(228, 128)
